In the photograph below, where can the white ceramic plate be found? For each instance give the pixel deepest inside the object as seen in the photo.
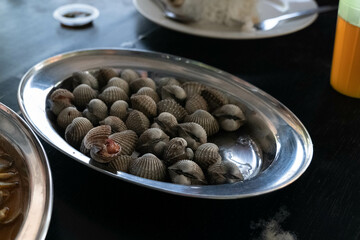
(149, 10)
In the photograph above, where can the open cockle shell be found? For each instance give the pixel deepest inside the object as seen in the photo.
(97, 136)
(148, 166)
(105, 153)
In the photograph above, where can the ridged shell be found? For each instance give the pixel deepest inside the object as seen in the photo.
(120, 83)
(166, 122)
(61, 98)
(129, 75)
(112, 94)
(142, 82)
(173, 92)
(83, 94)
(214, 98)
(167, 81)
(149, 92)
(206, 155)
(192, 88)
(104, 74)
(91, 117)
(98, 108)
(108, 152)
(205, 119)
(96, 136)
(66, 116)
(196, 102)
(187, 172)
(137, 121)
(121, 163)
(127, 140)
(148, 166)
(152, 141)
(224, 172)
(230, 117)
(84, 78)
(116, 124)
(169, 105)
(193, 133)
(76, 131)
(119, 109)
(83, 149)
(175, 151)
(144, 104)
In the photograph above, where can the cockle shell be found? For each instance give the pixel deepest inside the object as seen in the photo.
(112, 94)
(149, 92)
(137, 121)
(193, 133)
(104, 74)
(135, 85)
(97, 109)
(129, 75)
(175, 151)
(144, 104)
(173, 92)
(66, 116)
(214, 98)
(83, 94)
(164, 81)
(76, 131)
(61, 98)
(205, 119)
(206, 155)
(96, 136)
(121, 163)
(196, 102)
(224, 172)
(109, 151)
(127, 140)
(84, 78)
(148, 166)
(119, 109)
(120, 83)
(230, 117)
(166, 122)
(153, 140)
(186, 172)
(116, 124)
(192, 88)
(171, 106)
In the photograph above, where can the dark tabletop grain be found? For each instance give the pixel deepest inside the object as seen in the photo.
(324, 203)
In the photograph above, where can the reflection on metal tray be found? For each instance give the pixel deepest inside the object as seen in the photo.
(272, 150)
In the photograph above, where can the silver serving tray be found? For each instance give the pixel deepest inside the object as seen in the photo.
(38, 209)
(272, 150)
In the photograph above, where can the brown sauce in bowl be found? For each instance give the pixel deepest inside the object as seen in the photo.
(14, 191)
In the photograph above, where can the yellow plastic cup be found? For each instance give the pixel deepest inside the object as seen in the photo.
(345, 70)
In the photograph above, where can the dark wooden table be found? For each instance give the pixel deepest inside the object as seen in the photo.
(323, 204)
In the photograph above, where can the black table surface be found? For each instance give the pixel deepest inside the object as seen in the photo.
(324, 203)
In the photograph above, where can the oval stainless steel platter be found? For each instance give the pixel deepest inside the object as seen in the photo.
(272, 150)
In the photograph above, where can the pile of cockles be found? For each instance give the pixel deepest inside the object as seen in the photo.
(152, 128)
